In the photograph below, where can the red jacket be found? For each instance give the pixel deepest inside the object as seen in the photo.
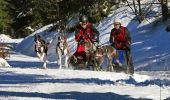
(88, 36)
(121, 38)
(87, 33)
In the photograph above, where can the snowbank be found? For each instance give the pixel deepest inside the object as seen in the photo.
(4, 38)
(3, 63)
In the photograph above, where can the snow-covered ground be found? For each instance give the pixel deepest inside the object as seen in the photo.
(26, 80)
(38, 84)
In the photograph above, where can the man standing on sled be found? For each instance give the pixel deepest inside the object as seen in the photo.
(85, 32)
(120, 38)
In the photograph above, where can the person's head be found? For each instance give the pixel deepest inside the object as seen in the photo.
(117, 23)
(83, 21)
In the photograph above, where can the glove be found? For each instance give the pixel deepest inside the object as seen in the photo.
(120, 42)
(81, 39)
(113, 44)
(88, 34)
(95, 44)
(128, 46)
(96, 41)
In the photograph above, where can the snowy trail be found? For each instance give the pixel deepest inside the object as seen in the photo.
(28, 83)
(26, 80)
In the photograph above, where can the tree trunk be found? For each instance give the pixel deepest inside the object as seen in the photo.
(136, 11)
(164, 10)
(141, 17)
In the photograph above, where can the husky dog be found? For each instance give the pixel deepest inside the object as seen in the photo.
(62, 50)
(41, 48)
(97, 54)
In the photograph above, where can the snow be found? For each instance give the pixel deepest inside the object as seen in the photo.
(6, 39)
(3, 63)
(28, 83)
(26, 80)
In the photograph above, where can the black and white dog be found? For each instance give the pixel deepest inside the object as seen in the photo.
(41, 48)
(62, 50)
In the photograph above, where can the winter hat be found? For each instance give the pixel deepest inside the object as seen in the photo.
(83, 18)
(117, 20)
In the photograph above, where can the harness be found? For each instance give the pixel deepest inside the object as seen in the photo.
(64, 47)
(41, 44)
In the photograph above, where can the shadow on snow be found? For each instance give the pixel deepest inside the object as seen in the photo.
(71, 95)
(27, 64)
(13, 78)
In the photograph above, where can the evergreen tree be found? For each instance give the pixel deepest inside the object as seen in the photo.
(5, 20)
(37, 13)
(20, 11)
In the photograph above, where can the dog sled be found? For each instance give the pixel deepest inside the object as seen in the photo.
(117, 59)
(78, 62)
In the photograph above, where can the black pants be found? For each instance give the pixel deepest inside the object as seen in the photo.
(130, 67)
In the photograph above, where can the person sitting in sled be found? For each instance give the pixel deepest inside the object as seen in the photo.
(120, 39)
(85, 32)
